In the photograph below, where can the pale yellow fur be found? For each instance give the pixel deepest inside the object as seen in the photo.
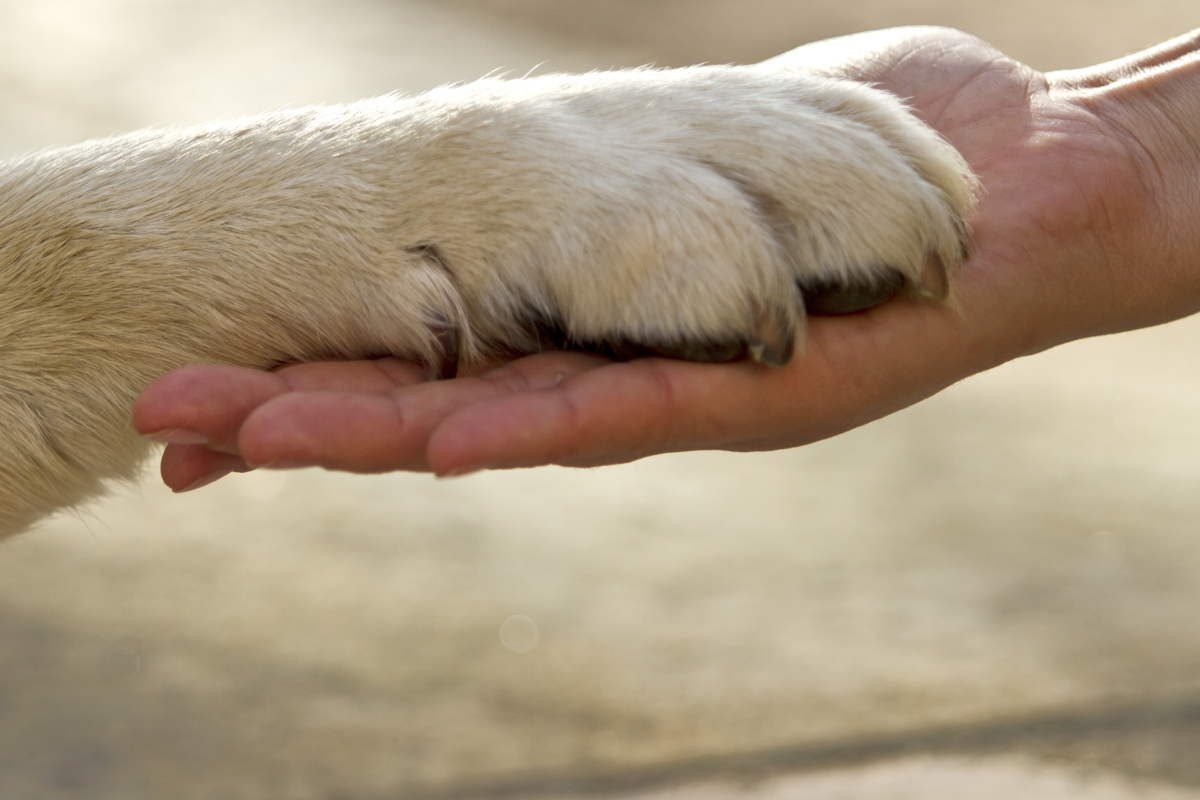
(644, 205)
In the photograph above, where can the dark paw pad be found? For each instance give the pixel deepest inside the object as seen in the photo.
(552, 335)
(841, 298)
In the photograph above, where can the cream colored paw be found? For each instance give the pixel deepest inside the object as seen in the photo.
(695, 213)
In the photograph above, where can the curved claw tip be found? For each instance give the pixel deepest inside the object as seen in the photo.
(774, 340)
(935, 279)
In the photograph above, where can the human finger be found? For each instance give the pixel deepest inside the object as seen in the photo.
(185, 467)
(203, 404)
(362, 432)
(207, 404)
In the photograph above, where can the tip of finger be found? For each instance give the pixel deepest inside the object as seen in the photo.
(197, 397)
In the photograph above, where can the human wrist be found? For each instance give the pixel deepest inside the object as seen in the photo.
(1151, 102)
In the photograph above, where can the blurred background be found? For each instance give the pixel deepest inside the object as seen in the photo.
(993, 593)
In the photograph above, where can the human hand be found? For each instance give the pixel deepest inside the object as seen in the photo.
(1082, 230)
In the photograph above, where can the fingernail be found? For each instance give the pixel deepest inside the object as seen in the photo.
(205, 480)
(460, 472)
(177, 436)
(285, 464)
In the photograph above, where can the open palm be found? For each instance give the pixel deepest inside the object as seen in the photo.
(1070, 192)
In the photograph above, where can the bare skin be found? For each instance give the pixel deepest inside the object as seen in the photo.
(1088, 226)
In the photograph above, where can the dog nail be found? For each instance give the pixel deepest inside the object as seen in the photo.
(177, 436)
(205, 480)
(935, 280)
(774, 339)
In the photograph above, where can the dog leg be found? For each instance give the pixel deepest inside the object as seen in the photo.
(697, 213)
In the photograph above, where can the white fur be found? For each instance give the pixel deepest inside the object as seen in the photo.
(653, 206)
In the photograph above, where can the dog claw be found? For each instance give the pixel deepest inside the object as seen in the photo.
(774, 340)
(935, 280)
(448, 338)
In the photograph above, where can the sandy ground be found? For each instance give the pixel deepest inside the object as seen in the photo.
(991, 594)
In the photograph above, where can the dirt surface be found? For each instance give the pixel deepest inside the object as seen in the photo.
(990, 594)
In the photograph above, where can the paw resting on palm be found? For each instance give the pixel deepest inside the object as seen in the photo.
(698, 213)
(695, 213)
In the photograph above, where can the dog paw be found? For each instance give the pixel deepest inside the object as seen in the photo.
(697, 213)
